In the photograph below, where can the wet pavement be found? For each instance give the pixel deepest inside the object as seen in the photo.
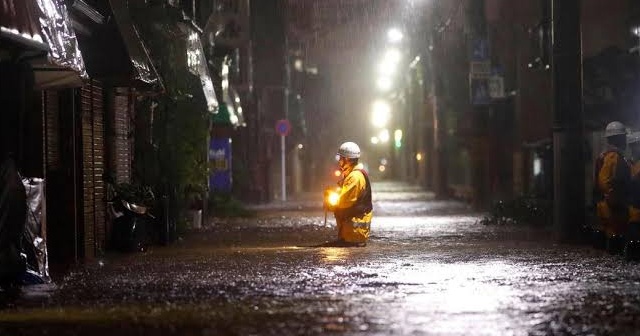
(429, 269)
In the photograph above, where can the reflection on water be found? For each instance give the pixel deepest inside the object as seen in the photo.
(333, 254)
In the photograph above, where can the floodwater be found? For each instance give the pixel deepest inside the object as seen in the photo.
(429, 269)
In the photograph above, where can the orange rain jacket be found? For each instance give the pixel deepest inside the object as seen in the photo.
(354, 212)
(611, 191)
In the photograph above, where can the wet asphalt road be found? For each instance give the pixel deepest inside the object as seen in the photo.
(429, 269)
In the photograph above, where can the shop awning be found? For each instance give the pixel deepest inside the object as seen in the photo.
(19, 26)
(114, 51)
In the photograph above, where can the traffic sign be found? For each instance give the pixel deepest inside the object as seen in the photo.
(283, 127)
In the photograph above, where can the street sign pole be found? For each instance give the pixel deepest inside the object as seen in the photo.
(283, 169)
(283, 127)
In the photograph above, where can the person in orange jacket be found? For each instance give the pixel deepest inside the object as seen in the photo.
(353, 210)
(611, 186)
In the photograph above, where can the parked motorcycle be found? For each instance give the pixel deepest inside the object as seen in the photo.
(131, 220)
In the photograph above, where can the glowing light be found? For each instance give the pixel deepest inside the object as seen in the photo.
(381, 113)
(300, 146)
(384, 135)
(382, 168)
(397, 135)
(393, 55)
(297, 64)
(389, 62)
(337, 173)
(419, 157)
(394, 35)
(333, 198)
(384, 83)
(375, 140)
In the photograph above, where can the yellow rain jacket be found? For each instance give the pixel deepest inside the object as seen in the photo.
(611, 191)
(354, 212)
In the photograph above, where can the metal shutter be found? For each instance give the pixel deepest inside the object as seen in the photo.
(121, 150)
(92, 111)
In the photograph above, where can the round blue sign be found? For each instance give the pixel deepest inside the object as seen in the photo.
(283, 127)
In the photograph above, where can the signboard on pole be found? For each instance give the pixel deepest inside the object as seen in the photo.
(220, 164)
(283, 127)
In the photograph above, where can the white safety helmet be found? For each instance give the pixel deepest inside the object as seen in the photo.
(349, 150)
(634, 137)
(615, 128)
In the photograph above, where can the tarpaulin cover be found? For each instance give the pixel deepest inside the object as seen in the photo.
(197, 64)
(135, 47)
(34, 243)
(59, 35)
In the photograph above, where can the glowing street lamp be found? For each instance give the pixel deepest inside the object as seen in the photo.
(381, 113)
(389, 62)
(394, 35)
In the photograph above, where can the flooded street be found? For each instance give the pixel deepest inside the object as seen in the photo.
(429, 268)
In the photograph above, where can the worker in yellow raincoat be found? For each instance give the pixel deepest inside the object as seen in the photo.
(632, 247)
(611, 185)
(353, 209)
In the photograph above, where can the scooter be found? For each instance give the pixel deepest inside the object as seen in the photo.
(131, 224)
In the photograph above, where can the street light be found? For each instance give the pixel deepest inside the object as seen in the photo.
(389, 62)
(381, 113)
(394, 35)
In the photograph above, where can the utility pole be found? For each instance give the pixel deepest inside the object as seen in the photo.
(437, 167)
(568, 121)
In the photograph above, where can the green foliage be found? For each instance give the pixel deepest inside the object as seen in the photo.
(136, 193)
(171, 128)
(224, 205)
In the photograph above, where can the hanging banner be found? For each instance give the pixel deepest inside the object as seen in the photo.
(220, 165)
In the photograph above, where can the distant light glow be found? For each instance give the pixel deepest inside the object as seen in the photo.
(383, 161)
(384, 135)
(375, 140)
(393, 55)
(382, 168)
(337, 173)
(537, 166)
(394, 35)
(381, 113)
(297, 64)
(636, 31)
(397, 135)
(300, 146)
(419, 157)
(384, 83)
(390, 61)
